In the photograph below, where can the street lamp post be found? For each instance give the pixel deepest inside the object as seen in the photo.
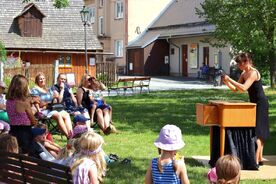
(85, 18)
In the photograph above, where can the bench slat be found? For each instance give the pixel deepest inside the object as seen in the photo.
(32, 170)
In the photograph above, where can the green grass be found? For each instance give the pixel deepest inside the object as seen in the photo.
(139, 119)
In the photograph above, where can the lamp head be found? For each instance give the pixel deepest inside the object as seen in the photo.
(84, 15)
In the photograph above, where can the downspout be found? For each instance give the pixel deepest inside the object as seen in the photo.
(168, 40)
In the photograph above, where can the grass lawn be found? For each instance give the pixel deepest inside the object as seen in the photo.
(139, 119)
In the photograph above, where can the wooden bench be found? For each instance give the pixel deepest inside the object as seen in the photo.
(142, 82)
(130, 83)
(18, 168)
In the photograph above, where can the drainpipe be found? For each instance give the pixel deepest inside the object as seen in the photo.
(168, 40)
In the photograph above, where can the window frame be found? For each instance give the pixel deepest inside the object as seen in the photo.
(101, 26)
(92, 14)
(119, 46)
(119, 9)
(101, 3)
(63, 61)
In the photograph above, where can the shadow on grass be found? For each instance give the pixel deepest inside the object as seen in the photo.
(152, 111)
(131, 173)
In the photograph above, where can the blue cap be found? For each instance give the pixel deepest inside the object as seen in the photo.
(80, 118)
(38, 131)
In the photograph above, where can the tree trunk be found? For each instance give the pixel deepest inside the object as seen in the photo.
(272, 61)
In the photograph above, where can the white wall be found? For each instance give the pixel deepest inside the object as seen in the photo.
(192, 72)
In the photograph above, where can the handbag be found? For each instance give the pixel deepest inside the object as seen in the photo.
(55, 106)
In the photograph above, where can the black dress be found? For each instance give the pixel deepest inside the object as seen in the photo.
(241, 141)
(256, 95)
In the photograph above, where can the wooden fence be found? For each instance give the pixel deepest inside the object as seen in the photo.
(30, 73)
(106, 72)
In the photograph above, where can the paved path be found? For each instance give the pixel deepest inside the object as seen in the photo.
(178, 83)
(174, 83)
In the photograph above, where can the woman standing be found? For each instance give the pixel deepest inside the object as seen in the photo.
(250, 80)
(62, 118)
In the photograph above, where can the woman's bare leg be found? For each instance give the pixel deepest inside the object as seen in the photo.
(259, 150)
(106, 118)
(58, 118)
(110, 114)
(67, 121)
(92, 112)
(100, 119)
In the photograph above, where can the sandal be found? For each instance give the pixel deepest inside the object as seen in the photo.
(113, 157)
(126, 161)
(107, 131)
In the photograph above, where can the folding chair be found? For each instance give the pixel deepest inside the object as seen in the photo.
(53, 128)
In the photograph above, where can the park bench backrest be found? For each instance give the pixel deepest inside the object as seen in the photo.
(17, 168)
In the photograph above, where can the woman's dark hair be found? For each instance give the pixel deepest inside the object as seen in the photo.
(243, 57)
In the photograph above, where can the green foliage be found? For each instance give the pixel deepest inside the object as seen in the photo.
(3, 52)
(61, 3)
(247, 25)
(140, 117)
(57, 3)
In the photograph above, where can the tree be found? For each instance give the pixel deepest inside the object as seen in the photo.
(57, 3)
(247, 25)
(3, 53)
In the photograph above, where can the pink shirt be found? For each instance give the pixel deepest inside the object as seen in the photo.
(16, 118)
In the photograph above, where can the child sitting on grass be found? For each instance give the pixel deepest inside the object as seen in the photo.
(49, 144)
(89, 165)
(37, 149)
(168, 168)
(65, 155)
(226, 171)
(9, 143)
(80, 125)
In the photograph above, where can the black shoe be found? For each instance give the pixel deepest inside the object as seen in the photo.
(261, 163)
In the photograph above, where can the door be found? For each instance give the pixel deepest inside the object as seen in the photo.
(184, 60)
(206, 55)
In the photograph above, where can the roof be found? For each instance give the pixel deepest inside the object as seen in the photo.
(178, 20)
(62, 28)
(28, 7)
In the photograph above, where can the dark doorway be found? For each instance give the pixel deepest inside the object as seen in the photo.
(184, 60)
(206, 55)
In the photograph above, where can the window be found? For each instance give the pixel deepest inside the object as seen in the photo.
(65, 61)
(92, 13)
(101, 3)
(119, 12)
(101, 26)
(119, 48)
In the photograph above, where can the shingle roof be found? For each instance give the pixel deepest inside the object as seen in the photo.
(62, 28)
(178, 20)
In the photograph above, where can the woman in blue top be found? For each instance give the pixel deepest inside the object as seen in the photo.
(168, 168)
(46, 96)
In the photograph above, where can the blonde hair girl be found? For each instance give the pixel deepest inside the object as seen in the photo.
(226, 171)
(168, 168)
(89, 166)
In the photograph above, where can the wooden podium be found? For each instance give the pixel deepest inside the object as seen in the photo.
(225, 114)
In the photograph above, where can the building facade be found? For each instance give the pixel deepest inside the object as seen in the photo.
(174, 44)
(119, 22)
